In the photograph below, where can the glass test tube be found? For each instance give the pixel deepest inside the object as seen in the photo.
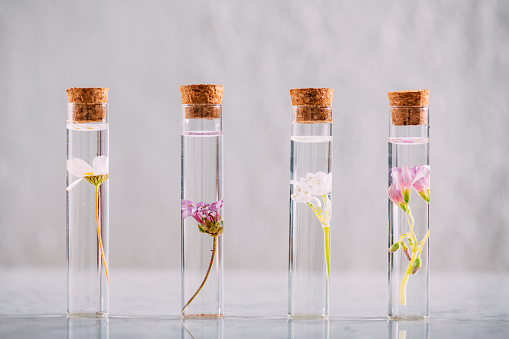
(87, 202)
(310, 205)
(202, 201)
(408, 208)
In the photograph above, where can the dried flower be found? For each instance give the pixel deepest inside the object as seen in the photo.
(206, 215)
(209, 221)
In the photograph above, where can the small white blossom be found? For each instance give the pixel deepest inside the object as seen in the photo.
(79, 168)
(307, 190)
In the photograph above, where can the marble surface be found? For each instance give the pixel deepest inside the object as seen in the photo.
(144, 304)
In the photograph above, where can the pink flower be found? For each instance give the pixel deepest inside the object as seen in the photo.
(185, 206)
(214, 207)
(206, 215)
(201, 212)
(404, 179)
(397, 197)
(421, 185)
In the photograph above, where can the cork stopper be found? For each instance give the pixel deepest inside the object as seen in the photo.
(409, 107)
(203, 101)
(418, 98)
(314, 105)
(311, 96)
(88, 103)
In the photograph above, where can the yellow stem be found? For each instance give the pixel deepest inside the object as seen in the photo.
(426, 236)
(402, 288)
(416, 249)
(327, 251)
(411, 225)
(326, 229)
(99, 231)
(214, 246)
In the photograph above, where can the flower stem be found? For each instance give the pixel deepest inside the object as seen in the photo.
(327, 253)
(416, 253)
(99, 231)
(214, 246)
(404, 281)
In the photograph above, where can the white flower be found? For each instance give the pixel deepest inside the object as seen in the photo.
(319, 183)
(302, 195)
(79, 168)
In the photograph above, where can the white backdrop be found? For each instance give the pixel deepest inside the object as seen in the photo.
(258, 50)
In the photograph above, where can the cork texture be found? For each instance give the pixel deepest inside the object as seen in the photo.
(88, 104)
(202, 101)
(92, 95)
(313, 105)
(202, 111)
(418, 98)
(312, 96)
(402, 116)
(312, 114)
(409, 107)
(201, 94)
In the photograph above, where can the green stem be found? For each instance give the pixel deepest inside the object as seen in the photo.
(214, 246)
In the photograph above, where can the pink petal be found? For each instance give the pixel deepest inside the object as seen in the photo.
(395, 195)
(407, 178)
(185, 203)
(186, 213)
(216, 206)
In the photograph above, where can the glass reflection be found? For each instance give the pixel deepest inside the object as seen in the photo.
(88, 327)
(195, 328)
(308, 328)
(401, 329)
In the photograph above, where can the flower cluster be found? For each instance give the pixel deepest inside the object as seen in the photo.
(403, 181)
(306, 189)
(207, 215)
(399, 193)
(309, 188)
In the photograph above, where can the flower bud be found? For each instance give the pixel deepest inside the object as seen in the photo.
(407, 253)
(394, 247)
(416, 265)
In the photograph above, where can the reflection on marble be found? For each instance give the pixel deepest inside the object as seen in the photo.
(201, 328)
(401, 329)
(145, 304)
(88, 328)
(308, 328)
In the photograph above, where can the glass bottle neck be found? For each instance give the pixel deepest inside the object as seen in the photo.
(87, 116)
(407, 123)
(311, 121)
(201, 119)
